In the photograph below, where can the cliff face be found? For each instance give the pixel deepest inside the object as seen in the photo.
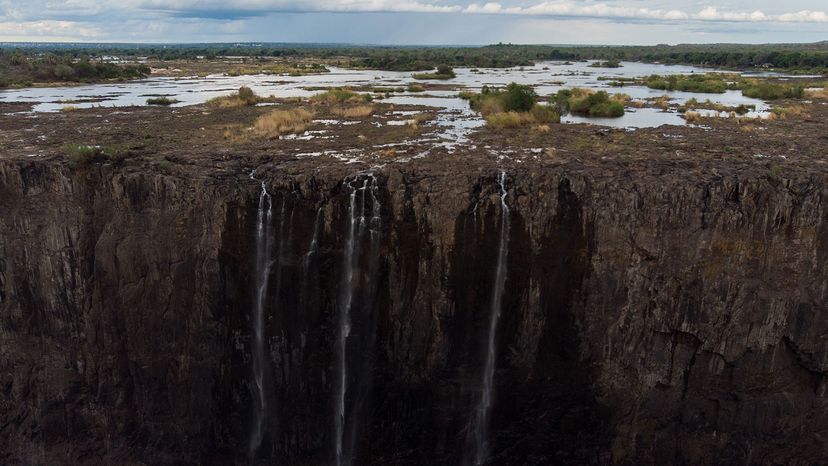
(646, 318)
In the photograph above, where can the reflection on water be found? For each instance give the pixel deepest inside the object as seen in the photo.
(454, 119)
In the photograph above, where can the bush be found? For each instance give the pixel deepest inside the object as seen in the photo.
(165, 101)
(606, 64)
(80, 155)
(772, 91)
(519, 98)
(515, 98)
(443, 72)
(248, 96)
(545, 114)
(706, 83)
(511, 107)
(340, 95)
(243, 97)
(596, 105)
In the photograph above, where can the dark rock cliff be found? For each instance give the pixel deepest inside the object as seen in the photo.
(648, 318)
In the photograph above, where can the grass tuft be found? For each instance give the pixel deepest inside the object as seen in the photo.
(280, 122)
(360, 111)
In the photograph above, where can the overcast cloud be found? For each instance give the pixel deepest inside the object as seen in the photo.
(414, 21)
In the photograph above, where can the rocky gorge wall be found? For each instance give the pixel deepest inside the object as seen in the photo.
(647, 318)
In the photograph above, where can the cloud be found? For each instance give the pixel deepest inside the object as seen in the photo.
(218, 9)
(606, 10)
(270, 6)
(805, 16)
(177, 19)
(48, 29)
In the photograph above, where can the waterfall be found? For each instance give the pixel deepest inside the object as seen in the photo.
(358, 223)
(481, 419)
(313, 249)
(263, 249)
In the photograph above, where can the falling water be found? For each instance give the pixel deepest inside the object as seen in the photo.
(263, 247)
(357, 225)
(481, 420)
(313, 249)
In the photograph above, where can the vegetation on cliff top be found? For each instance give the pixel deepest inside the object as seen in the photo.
(443, 72)
(606, 64)
(279, 122)
(585, 102)
(710, 83)
(340, 96)
(512, 107)
(18, 69)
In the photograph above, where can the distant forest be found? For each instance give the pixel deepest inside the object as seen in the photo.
(81, 62)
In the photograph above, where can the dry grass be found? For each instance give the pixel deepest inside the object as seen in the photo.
(360, 111)
(623, 98)
(692, 117)
(490, 107)
(280, 122)
(226, 101)
(662, 102)
(817, 93)
(340, 95)
(509, 119)
(68, 108)
(783, 113)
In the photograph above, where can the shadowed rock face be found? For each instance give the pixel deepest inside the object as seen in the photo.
(666, 319)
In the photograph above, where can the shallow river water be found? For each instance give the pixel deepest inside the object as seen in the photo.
(454, 118)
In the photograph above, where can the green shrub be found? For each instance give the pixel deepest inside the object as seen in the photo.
(80, 155)
(585, 103)
(244, 97)
(545, 114)
(606, 64)
(512, 107)
(706, 83)
(519, 98)
(772, 91)
(443, 72)
(248, 96)
(340, 95)
(515, 98)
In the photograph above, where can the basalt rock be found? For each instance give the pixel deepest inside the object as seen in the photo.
(655, 319)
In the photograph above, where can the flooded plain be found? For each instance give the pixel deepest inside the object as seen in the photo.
(454, 120)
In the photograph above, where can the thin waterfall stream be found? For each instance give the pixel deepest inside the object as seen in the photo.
(358, 224)
(482, 415)
(264, 245)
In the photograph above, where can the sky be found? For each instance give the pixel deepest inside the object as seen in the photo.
(415, 22)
